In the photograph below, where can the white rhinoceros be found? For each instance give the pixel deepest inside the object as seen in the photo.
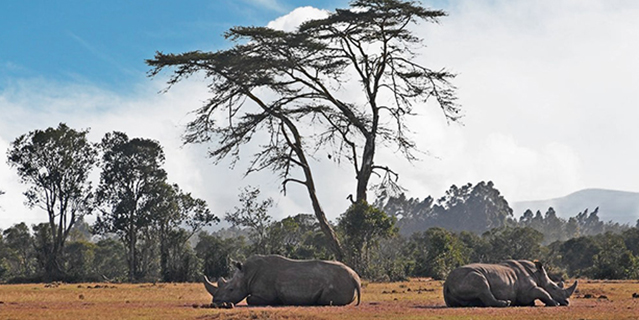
(276, 280)
(509, 283)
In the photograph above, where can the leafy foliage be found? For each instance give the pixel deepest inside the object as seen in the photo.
(253, 215)
(476, 208)
(298, 237)
(55, 163)
(216, 253)
(436, 252)
(131, 183)
(18, 256)
(363, 227)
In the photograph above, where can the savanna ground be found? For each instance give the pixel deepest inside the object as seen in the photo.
(416, 299)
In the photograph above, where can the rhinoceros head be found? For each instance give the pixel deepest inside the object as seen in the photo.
(233, 290)
(557, 292)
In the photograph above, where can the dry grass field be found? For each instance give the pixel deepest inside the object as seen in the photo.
(417, 299)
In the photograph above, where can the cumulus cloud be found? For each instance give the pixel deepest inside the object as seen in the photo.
(547, 94)
(294, 19)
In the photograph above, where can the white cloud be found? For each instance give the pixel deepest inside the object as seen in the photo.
(294, 19)
(34, 104)
(548, 89)
(550, 81)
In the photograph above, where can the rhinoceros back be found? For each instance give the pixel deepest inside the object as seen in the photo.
(277, 280)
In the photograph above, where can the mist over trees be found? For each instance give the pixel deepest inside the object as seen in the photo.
(411, 241)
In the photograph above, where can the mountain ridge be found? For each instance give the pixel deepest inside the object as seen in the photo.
(614, 205)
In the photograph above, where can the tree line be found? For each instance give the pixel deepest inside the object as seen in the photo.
(134, 203)
(375, 244)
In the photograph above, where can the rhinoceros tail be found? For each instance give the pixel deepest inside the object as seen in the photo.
(358, 287)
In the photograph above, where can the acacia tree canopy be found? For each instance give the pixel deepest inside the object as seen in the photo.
(292, 86)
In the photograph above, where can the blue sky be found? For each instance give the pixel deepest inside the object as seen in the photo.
(548, 91)
(106, 42)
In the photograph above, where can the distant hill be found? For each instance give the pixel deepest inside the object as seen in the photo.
(616, 206)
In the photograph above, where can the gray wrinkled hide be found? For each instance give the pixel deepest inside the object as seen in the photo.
(510, 283)
(276, 280)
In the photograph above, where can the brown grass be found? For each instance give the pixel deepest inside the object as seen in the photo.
(417, 299)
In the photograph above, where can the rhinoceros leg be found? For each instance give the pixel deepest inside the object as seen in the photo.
(480, 289)
(489, 300)
(254, 300)
(543, 295)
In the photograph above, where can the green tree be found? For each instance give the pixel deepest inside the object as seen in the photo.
(412, 214)
(589, 224)
(3, 259)
(131, 181)
(56, 163)
(173, 210)
(110, 260)
(514, 243)
(42, 245)
(291, 85)
(298, 237)
(79, 257)
(363, 227)
(578, 254)
(253, 214)
(631, 238)
(216, 253)
(18, 251)
(615, 261)
(572, 228)
(480, 249)
(476, 208)
(437, 251)
(554, 227)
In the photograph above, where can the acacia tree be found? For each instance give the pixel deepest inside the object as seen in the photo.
(294, 85)
(131, 180)
(56, 163)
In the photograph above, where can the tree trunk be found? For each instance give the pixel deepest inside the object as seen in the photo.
(296, 146)
(366, 169)
(131, 251)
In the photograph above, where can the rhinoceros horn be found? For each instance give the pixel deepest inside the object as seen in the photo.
(571, 289)
(211, 288)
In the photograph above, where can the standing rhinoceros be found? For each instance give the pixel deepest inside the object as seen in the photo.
(510, 283)
(276, 280)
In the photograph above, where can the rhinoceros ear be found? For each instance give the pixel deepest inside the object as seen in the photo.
(237, 264)
(539, 266)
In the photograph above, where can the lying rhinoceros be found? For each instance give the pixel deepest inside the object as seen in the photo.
(276, 280)
(510, 283)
